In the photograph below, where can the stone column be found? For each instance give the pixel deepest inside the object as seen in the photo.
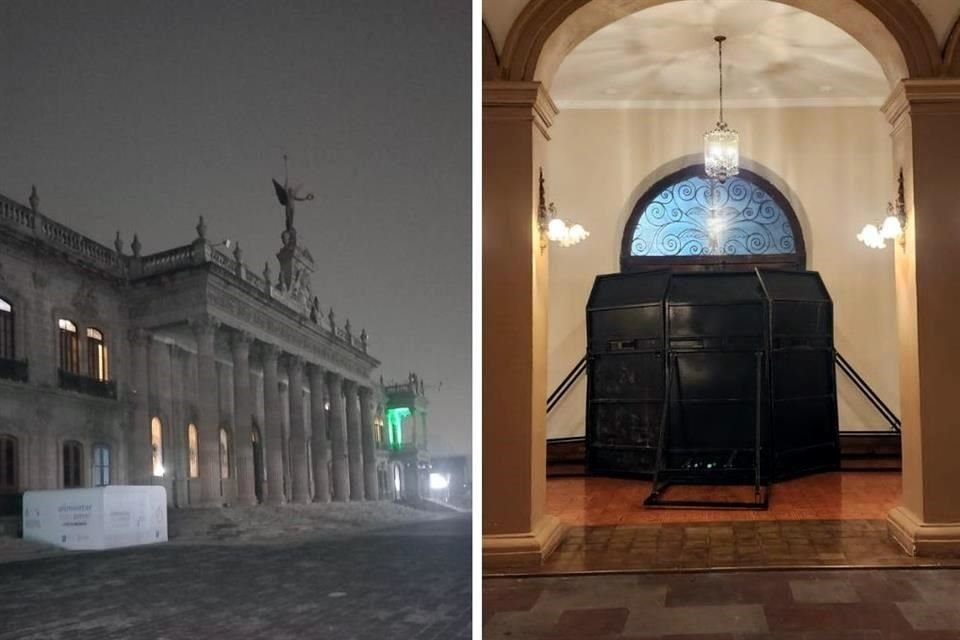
(516, 528)
(273, 425)
(925, 115)
(208, 419)
(140, 456)
(319, 445)
(338, 438)
(299, 476)
(370, 486)
(242, 416)
(354, 445)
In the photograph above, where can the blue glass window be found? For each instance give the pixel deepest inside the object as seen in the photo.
(694, 217)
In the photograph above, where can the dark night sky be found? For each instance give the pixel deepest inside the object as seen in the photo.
(141, 116)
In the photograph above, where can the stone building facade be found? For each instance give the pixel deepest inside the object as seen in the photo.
(181, 368)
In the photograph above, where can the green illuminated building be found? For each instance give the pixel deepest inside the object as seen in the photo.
(405, 437)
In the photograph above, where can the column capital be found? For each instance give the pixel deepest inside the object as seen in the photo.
(315, 370)
(349, 386)
(366, 393)
(334, 378)
(932, 95)
(269, 351)
(506, 100)
(293, 362)
(240, 341)
(139, 336)
(203, 324)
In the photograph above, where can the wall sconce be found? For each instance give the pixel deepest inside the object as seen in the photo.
(892, 226)
(552, 227)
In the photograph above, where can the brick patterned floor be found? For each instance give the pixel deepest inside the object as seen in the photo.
(408, 582)
(780, 605)
(727, 545)
(848, 495)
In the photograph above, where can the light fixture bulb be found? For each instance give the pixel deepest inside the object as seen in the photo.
(557, 230)
(578, 233)
(891, 228)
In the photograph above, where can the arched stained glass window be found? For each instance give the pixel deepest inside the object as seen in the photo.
(688, 221)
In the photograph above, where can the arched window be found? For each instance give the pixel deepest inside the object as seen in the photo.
(687, 222)
(101, 465)
(69, 346)
(8, 464)
(97, 361)
(193, 451)
(72, 465)
(156, 446)
(224, 454)
(7, 342)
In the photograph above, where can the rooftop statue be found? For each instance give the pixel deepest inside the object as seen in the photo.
(288, 197)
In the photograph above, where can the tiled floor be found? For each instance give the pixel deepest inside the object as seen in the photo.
(848, 495)
(782, 605)
(675, 546)
(827, 520)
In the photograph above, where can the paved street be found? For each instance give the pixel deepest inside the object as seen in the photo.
(411, 581)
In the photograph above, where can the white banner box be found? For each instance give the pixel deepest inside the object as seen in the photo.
(99, 518)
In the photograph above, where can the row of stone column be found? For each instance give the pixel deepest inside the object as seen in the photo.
(350, 449)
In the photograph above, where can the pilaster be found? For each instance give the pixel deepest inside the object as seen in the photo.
(516, 121)
(925, 115)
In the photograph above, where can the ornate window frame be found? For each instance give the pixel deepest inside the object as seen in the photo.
(793, 261)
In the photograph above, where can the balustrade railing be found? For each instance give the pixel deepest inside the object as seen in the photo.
(29, 221)
(13, 370)
(85, 384)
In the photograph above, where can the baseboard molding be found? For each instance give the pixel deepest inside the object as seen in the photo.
(923, 539)
(519, 550)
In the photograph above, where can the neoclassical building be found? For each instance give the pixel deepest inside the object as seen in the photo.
(181, 368)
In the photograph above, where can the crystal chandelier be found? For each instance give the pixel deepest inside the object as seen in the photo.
(721, 147)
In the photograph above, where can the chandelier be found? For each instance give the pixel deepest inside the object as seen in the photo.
(721, 152)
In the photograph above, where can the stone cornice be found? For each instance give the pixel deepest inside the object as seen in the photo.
(503, 100)
(303, 340)
(930, 95)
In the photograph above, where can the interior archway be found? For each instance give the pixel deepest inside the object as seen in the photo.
(894, 31)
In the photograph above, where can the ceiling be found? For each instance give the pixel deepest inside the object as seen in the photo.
(665, 57)
(498, 16)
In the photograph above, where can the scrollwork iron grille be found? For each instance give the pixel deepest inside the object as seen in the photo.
(677, 222)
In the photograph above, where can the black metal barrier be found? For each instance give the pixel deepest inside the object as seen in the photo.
(711, 378)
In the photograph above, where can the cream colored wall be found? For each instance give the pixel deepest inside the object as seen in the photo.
(834, 164)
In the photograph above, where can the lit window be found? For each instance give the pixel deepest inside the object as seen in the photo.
(72, 471)
(8, 465)
(156, 446)
(224, 454)
(69, 346)
(97, 361)
(6, 330)
(101, 465)
(193, 456)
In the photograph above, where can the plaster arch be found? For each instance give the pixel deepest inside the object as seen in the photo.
(490, 60)
(673, 166)
(895, 32)
(951, 52)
